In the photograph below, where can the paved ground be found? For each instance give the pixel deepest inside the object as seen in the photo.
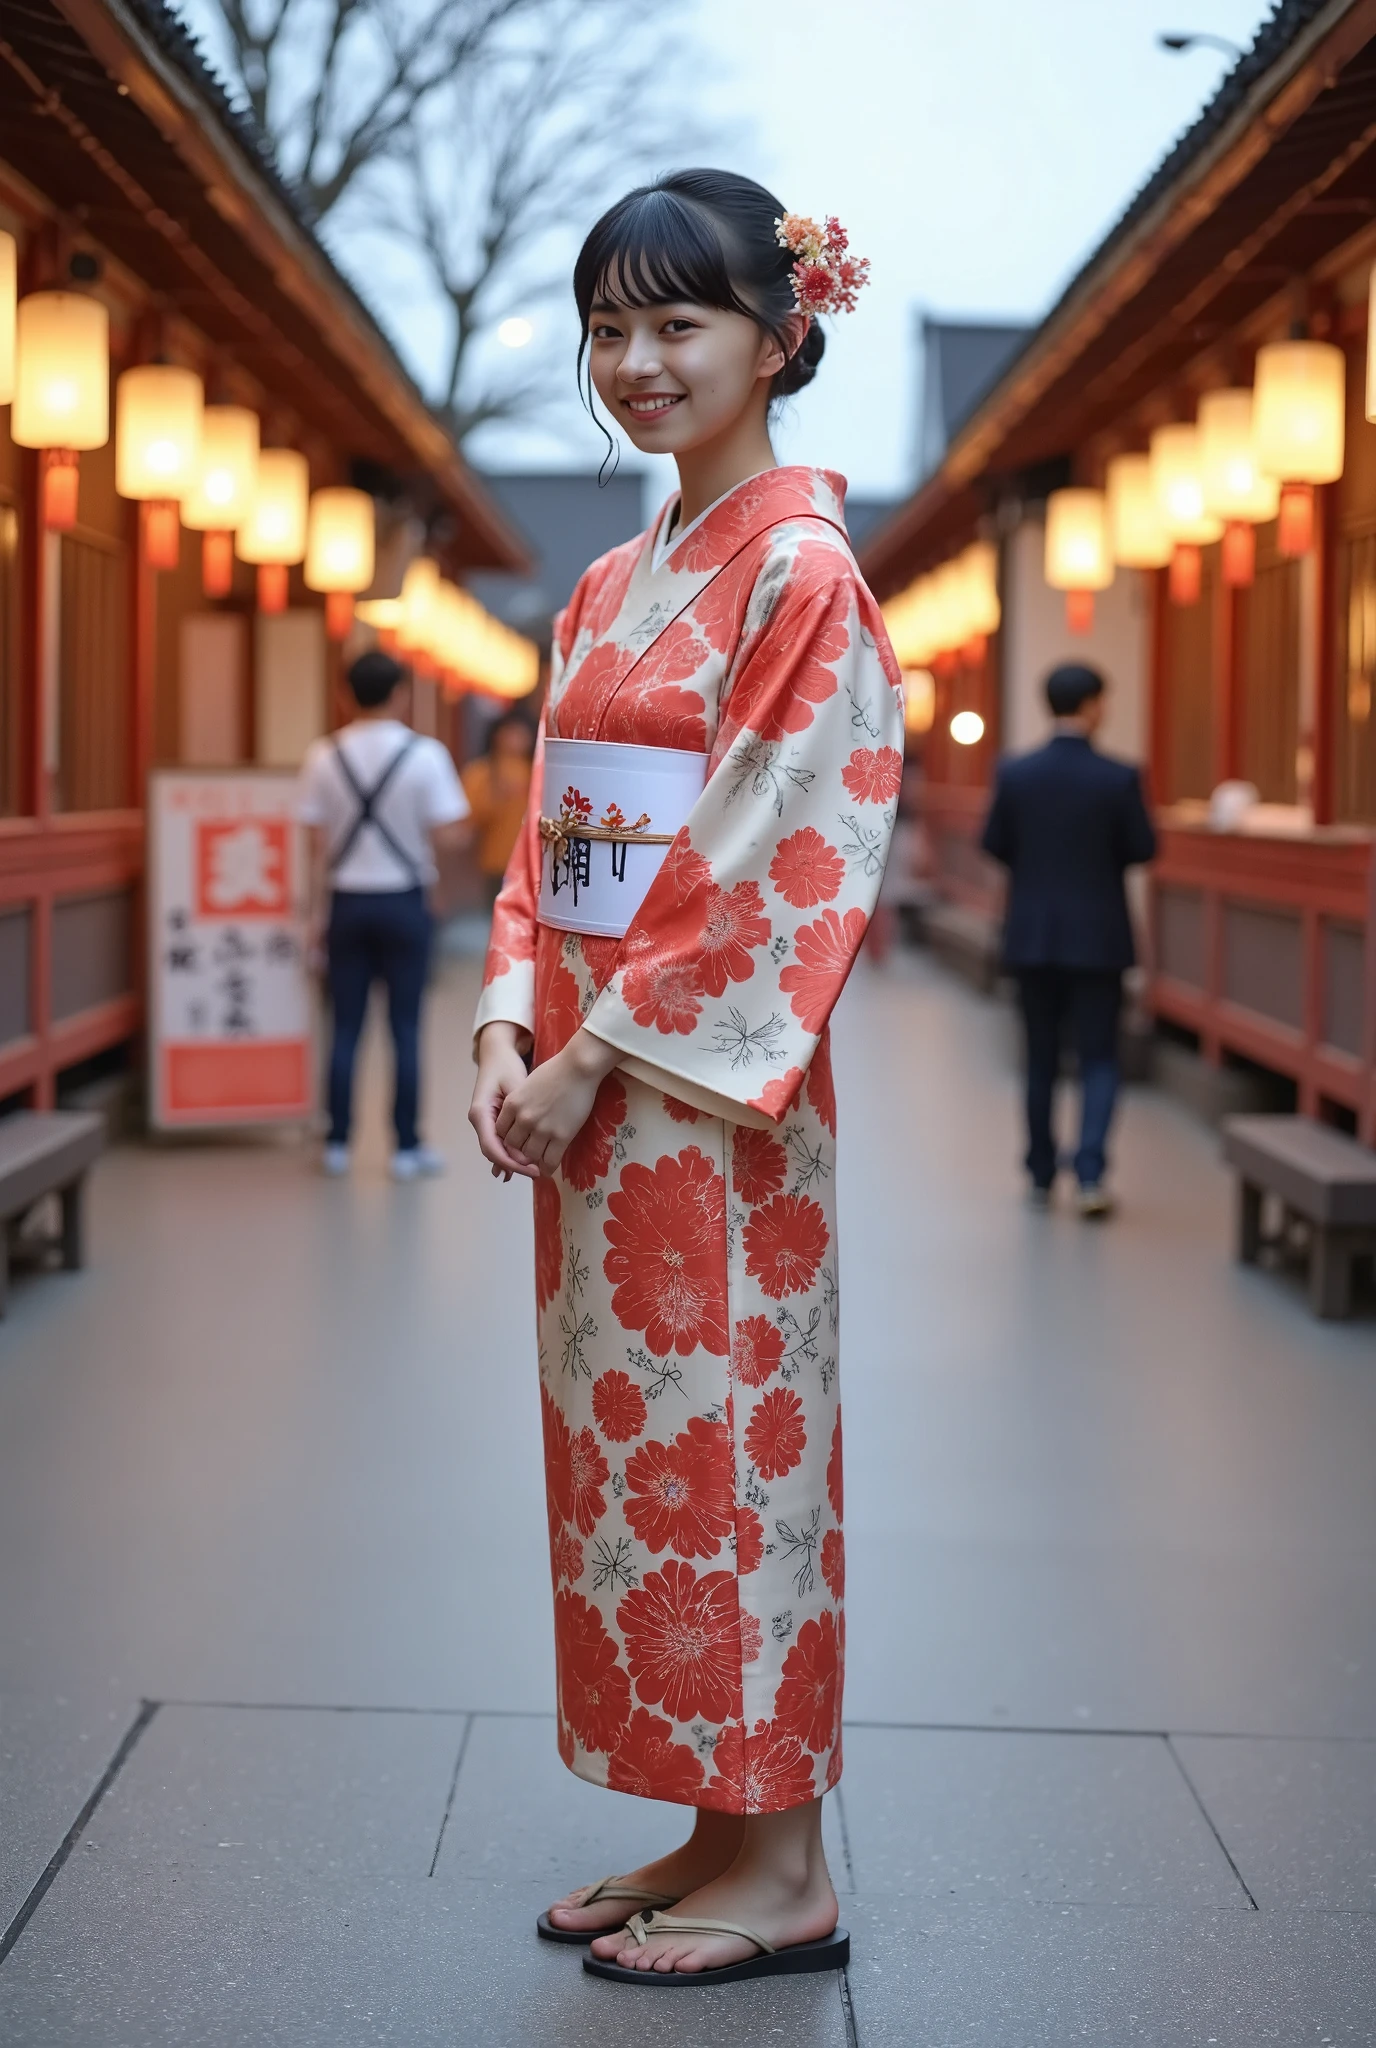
(274, 1613)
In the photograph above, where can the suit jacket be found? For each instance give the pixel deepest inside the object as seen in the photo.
(1066, 821)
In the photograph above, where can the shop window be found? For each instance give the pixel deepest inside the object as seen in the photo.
(95, 694)
(1188, 680)
(1269, 673)
(11, 689)
(1354, 733)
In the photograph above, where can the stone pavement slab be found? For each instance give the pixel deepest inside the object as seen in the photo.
(1095, 1977)
(1299, 1817)
(985, 1816)
(520, 1816)
(54, 1748)
(196, 1958)
(292, 1791)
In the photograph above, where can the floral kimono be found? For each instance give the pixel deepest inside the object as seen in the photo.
(685, 1251)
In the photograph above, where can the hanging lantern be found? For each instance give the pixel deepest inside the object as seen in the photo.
(1078, 559)
(383, 614)
(339, 552)
(1136, 535)
(420, 588)
(274, 534)
(61, 390)
(222, 494)
(977, 566)
(158, 410)
(1178, 483)
(1301, 394)
(919, 700)
(1236, 489)
(9, 271)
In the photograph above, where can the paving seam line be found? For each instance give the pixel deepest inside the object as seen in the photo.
(848, 2009)
(453, 1789)
(1179, 1762)
(77, 1829)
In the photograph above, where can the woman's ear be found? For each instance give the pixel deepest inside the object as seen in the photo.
(773, 358)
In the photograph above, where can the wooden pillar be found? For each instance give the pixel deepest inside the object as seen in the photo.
(1227, 724)
(1158, 722)
(1325, 652)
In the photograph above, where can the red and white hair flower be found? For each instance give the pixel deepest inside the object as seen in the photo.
(825, 278)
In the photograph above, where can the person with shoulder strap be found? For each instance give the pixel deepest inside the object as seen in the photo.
(385, 808)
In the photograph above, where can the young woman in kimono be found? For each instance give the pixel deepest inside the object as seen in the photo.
(679, 1120)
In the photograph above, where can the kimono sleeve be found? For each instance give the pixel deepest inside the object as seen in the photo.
(727, 977)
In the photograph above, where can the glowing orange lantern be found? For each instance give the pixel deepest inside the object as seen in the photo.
(61, 390)
(1299, 420)
(1078, 558)
(222, 495)
(9, 270)
(339, 552)
(158, 410)
(274, 534)
(1178, 481)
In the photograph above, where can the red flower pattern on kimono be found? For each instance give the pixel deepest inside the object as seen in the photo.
(834, 1480)
(680, 1496)
(594, 1692)
(588, 1156)
(757, 1350)
(823, 954)
(619, 1407)
(648, 1762)
(873, 774)
(734, 925)
(749, 1540)
(785, 1243)
(576, 1470)
(665, 1261)
(808, 1699)
(765, 1772)
(777, 1435)
(662, 1252)
(549, 1243)
(759, 1163)
(683, 1642)
(834, 1563)
(807, 869)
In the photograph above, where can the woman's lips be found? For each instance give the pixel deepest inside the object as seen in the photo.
(652, 405)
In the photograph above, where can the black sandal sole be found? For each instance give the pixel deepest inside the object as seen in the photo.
(832, 1953)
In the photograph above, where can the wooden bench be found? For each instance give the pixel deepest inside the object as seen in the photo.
(1317, 1173)
(45, 1152)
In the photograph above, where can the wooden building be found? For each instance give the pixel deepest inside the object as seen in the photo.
(1259, 225)
(124, 174)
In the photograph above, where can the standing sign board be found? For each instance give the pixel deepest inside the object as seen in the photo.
(231, 1008)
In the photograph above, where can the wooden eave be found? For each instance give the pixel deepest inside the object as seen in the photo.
(116, 136)
(1280, 184)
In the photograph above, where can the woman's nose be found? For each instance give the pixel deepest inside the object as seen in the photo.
(640, 360)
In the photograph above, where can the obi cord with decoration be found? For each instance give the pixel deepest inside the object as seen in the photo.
(713, 797)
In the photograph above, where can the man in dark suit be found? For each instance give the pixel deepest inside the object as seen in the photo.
(1066, 822)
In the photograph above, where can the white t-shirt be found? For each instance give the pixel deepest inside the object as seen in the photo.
(423, 792)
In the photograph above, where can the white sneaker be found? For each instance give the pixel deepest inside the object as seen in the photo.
(1096, 1203)
(420, 1162)
(334, 1161)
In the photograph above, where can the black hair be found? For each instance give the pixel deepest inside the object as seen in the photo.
(373, 677)
(708, 237)
(507, 718)
(1070, 687)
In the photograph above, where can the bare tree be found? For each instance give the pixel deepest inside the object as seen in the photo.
(472, 140)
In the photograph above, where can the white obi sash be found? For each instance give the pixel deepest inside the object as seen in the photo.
(632, 802)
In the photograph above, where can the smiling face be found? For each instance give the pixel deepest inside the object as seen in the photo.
(679, 376)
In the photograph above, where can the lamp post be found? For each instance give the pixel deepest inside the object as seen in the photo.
(1177, 43)
(222, 494)
(61, 391)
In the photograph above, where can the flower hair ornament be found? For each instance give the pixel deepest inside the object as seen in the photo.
(825, 278)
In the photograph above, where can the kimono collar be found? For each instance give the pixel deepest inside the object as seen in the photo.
(761, 501)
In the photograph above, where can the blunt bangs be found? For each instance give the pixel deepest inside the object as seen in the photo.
(654, 249)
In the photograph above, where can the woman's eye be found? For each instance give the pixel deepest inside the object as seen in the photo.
(605, 333)
(678, 326)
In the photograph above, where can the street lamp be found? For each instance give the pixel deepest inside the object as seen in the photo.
(1203, 40)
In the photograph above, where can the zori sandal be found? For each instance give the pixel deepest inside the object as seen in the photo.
(832, 1952)
(605, 1888)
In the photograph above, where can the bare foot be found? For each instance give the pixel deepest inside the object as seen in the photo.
(709, 1850)
(787, 1900)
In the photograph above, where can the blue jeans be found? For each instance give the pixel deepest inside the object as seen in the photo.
(377, 935)
(1091, 1001)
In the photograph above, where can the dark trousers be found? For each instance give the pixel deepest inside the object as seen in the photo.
(1090, 1002)
(377, 935)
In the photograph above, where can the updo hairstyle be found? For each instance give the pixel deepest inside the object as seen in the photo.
(708, 237)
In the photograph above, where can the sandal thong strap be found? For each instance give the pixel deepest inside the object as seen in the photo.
(613, 1888)
(642, 1925)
